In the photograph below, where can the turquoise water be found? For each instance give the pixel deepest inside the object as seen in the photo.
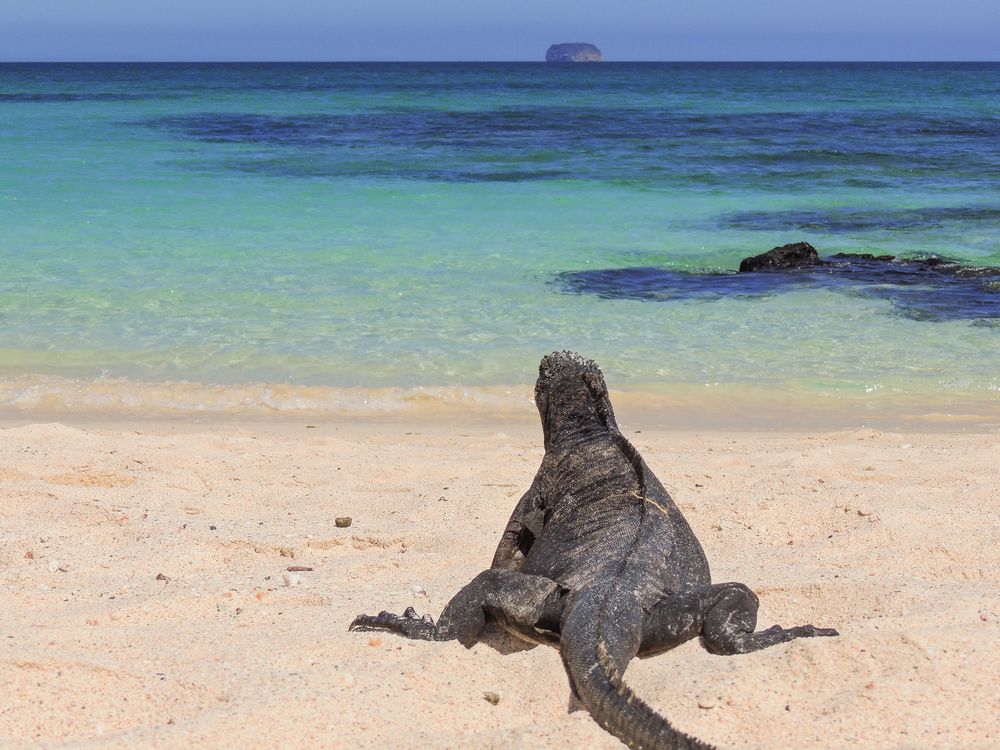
(405, 225)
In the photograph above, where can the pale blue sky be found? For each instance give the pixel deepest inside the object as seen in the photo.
(512, 30)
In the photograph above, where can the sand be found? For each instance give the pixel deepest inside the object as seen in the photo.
(145, 597)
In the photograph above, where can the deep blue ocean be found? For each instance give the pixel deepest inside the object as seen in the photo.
(281, 232)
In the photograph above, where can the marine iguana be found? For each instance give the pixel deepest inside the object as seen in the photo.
(598, 560)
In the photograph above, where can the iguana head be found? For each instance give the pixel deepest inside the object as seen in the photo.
(572, 397)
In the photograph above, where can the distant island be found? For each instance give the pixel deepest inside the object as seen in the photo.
(575, 52)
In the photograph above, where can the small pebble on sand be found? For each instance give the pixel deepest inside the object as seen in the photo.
(490, 697)
(291, 579)
(342, 522)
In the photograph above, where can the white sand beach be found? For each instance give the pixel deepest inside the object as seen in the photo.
(146, 598)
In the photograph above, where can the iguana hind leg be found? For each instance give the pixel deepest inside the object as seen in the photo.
(518, 600)
(732, 617)
(723, 614)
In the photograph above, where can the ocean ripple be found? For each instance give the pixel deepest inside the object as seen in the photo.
(856, 220)
(778, 150)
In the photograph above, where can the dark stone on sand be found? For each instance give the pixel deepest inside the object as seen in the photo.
(575, 52)
(795, 255)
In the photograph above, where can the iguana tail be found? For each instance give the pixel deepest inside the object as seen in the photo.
(611, 703)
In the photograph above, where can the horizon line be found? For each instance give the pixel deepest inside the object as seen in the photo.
(487, 62)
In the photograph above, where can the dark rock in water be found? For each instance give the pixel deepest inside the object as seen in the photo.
(573, 52)
(795, 255)
(930, 288)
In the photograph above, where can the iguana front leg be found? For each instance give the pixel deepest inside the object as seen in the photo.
(518, 600)
(409, 624)
(519, 534)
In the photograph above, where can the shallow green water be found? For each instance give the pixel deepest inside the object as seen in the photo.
(394, 225)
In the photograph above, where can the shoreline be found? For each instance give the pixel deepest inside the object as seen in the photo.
(666, 406)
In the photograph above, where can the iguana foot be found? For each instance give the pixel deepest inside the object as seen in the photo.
(799, 631)
(409, 624)
(802, 631)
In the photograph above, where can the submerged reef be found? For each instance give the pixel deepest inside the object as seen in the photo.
(925, 288)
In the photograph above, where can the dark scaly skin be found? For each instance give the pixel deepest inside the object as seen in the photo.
(598, 560)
